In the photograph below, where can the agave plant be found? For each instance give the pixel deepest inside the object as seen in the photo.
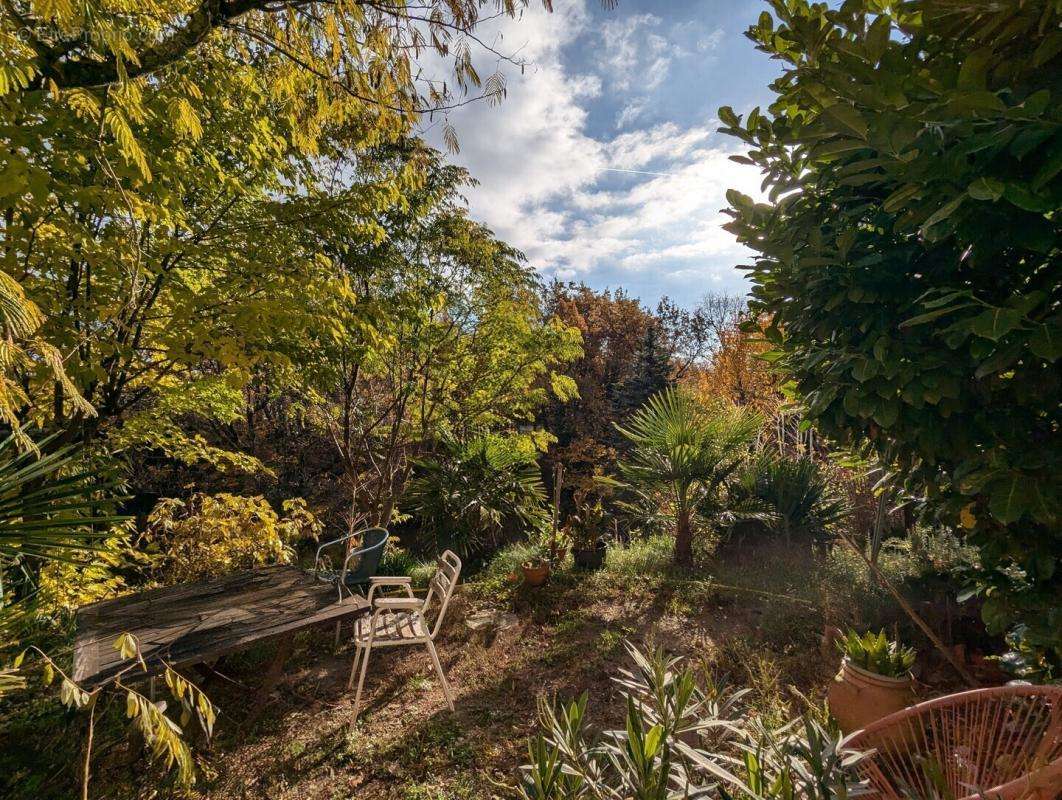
(681, 740)
(685, 451)
(875, 653)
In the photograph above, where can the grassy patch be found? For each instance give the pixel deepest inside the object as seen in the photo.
(640, 557)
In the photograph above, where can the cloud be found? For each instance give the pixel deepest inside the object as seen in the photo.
(641, 207)
(671, 220)
(628, 49)
(533, 147)
(644, 147)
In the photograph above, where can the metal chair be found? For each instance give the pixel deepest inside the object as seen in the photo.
(373, 542)
(369, 555)
(396, 621)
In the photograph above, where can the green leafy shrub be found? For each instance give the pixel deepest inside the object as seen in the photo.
(875, 653)
(907, 262)
(682, 740)
(476, 491)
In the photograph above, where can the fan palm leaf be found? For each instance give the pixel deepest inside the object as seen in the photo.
(50, 505)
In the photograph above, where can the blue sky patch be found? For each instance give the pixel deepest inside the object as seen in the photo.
(603, 163)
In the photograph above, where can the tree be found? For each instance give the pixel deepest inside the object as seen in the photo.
(612, 325)
(908, 262)
(735, 369)
(164, 279)
(650, 373)
(684, 451)
(158, 159)
(67, 46)
(458, 345)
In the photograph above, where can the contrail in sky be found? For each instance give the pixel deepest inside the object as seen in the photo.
(639, 172)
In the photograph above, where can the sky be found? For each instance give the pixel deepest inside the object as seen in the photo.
(603, 163)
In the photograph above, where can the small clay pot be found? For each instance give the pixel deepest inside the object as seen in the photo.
(535, 572)
(858, 697)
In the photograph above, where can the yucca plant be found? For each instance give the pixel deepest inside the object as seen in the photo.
(875, 653)
(685, 450)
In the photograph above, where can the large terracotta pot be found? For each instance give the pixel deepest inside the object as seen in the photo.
(858, 697)
(535, 572)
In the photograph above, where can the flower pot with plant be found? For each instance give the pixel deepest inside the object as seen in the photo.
(585, 531)
(536, 570)
(874, 680)
(546, 552)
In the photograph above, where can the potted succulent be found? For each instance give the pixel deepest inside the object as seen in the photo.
(584, 529)
(550, 549)
(874, 680)
(536, 569)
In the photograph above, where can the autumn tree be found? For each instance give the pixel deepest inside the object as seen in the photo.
(612, 325)
(734, 367)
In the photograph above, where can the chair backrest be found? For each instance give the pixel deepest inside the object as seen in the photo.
(373, 542)
(441, 587)
(996, 742)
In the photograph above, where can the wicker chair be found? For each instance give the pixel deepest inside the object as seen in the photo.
(1003, 743)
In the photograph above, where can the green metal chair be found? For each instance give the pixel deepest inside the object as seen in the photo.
(359, 565)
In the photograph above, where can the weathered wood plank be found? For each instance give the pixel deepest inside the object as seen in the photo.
(196, 622)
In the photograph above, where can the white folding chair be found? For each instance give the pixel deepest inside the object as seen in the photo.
(395, 621)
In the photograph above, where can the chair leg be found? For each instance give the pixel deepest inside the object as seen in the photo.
(339, 628)
(354, 666)
(361, 681)
(442, 675)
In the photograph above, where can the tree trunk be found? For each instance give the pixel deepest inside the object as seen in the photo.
(683, 539)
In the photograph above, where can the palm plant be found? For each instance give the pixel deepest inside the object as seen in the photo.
(51, 506)
(472, 492)
(685, 451)
(795, 494)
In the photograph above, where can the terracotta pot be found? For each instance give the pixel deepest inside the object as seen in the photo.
(858, 697)
(535, 573)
